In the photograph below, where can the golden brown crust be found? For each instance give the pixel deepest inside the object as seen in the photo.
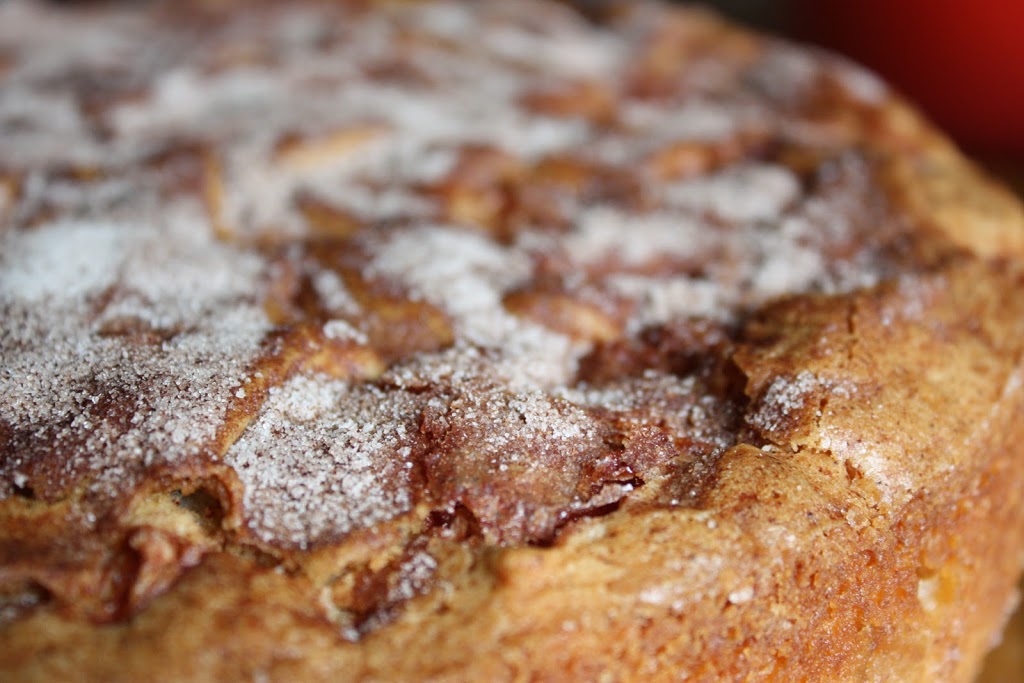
(445, 341)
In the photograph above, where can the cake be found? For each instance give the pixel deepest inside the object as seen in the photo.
(492, 341)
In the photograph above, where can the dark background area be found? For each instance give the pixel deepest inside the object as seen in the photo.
(962, 62)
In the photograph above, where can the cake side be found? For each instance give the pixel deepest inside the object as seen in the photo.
(789, 566)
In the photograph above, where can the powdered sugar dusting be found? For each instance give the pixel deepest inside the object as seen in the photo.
(744, 194)
(66, 262)
(414, 575)
(155, 188)
(682, 404)
(323, 458)
(467, 275)
(787, 397)
(462, 272)
(608, 233)
(166, 340)
(333, 293)
(661, 299)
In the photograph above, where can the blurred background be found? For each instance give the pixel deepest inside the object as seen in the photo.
(961, 61)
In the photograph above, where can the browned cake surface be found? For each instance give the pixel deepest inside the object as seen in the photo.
(478, 341)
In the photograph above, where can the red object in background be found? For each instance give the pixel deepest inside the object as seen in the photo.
(961, 61)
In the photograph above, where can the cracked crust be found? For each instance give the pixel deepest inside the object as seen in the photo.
(679, 353)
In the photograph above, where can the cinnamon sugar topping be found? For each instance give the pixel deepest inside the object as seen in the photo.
(367, 278)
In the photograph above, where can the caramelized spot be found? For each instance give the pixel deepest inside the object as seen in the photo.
(325, 220)
(566, 314)
(136, 331)
(476, 193)
(691, 158)
(581, 99)
(9, 190)
(305, 154)
(397, 326)
(214, 195)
